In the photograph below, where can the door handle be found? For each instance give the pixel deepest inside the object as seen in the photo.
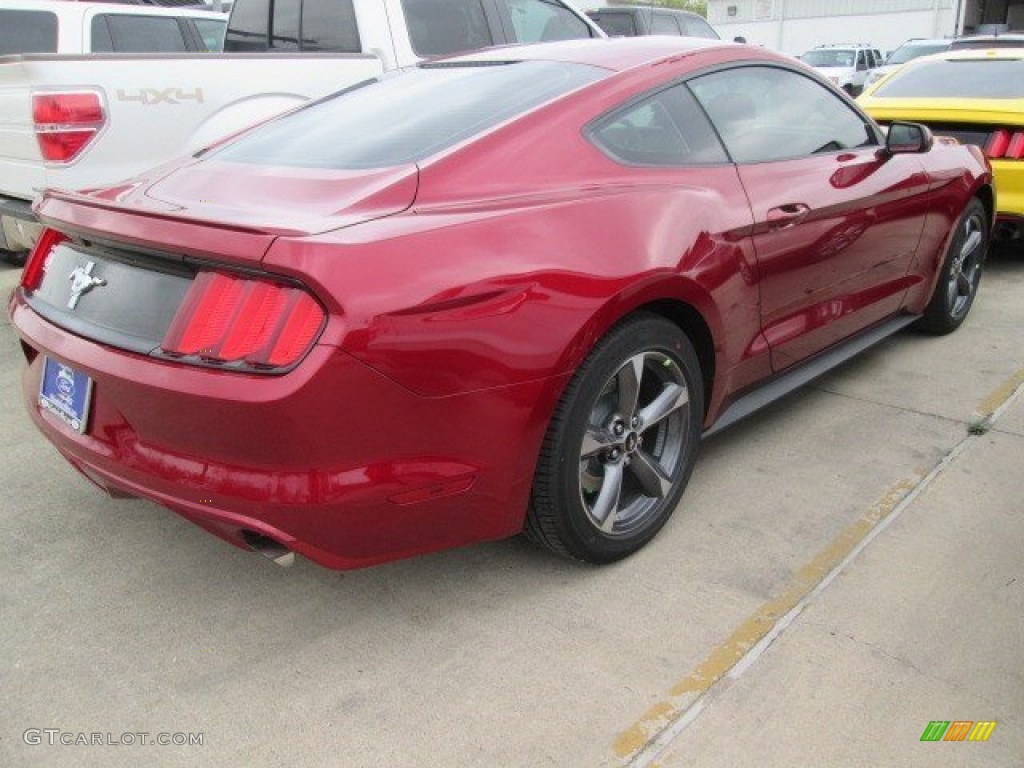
(787, 215)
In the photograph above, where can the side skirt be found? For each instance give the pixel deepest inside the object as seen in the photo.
(804, 373)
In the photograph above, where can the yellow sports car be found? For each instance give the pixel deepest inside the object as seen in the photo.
(975, 96)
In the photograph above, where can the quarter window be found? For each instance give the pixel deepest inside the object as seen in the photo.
(765, 114)
(666, 129)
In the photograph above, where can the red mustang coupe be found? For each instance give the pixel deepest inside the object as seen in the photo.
(501, 292)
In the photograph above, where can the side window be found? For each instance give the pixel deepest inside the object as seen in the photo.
(100, 35)
(663, 24)
(437, 27)
(765, 114)
(284, 25)
(330, 25)
(615, 24)
(543, 20)
(143, 34)
(697, 27)
(248, 26)
(27, 32)
(665, 129)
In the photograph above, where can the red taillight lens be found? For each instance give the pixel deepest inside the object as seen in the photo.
(229, 319)
(66, 122)
(35, 266)
(997, 144)
(1015, 149)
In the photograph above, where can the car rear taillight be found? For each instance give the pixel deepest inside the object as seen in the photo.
(66, 122)
(35, 265)
(236, 319)
(1005, 144)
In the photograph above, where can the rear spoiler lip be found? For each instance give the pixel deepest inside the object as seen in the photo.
(78, 199)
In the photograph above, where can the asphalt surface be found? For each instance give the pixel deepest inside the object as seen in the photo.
(852, 551)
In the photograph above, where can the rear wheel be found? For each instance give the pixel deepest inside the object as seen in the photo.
(621, 445)
(960, 274)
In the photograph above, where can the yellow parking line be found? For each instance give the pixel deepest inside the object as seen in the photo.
(682, 696)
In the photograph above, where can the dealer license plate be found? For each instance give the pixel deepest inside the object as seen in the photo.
(65, 393)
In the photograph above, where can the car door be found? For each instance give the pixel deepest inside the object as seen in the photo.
(836, 219)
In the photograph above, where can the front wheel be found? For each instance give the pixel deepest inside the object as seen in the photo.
(960, 273)
(621, 445)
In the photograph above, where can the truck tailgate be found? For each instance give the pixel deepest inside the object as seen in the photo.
(158, 106)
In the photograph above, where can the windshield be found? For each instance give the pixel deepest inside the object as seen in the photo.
(407, 116)
(829, 57)
(957, 79)
(909, 51)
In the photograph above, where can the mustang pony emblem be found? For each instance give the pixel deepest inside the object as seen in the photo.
(82, 282)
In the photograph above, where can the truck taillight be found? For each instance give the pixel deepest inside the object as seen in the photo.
(249, 323)
(1004, 144)
(35, 265)
(66, 122)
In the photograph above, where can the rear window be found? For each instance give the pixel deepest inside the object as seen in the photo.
(27, 32)
(957, 79)
(312, 25)
(407, 116)
(122, 33)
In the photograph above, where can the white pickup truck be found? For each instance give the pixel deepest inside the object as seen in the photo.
(77, 122)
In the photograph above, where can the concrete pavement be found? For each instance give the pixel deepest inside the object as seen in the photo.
(120, 618)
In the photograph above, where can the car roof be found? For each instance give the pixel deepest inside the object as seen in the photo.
(614, 53)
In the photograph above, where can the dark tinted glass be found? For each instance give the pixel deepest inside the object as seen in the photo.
(662, 24)
(765, 114)
(101, 42)
(615, 24)
(145, 34)
(284, 28)
(1002, 41)
(667, 129)
(958, 79)
(437, 27)
(330, 25)
(27, 32)
(248, 26)
(407, 116)
(537, 21)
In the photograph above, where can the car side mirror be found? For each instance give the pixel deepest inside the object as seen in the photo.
(908, 139)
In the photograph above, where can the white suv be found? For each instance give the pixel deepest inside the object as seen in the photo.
(846, 66)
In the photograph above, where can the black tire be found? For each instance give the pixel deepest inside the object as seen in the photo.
(17, 258)
(609, 474)
(958, 280)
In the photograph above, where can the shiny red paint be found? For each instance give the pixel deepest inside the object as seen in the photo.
(462, 295)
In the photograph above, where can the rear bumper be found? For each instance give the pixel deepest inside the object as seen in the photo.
(19, 228)
(332, 460)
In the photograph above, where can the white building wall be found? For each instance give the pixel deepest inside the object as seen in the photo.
(794, 26)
